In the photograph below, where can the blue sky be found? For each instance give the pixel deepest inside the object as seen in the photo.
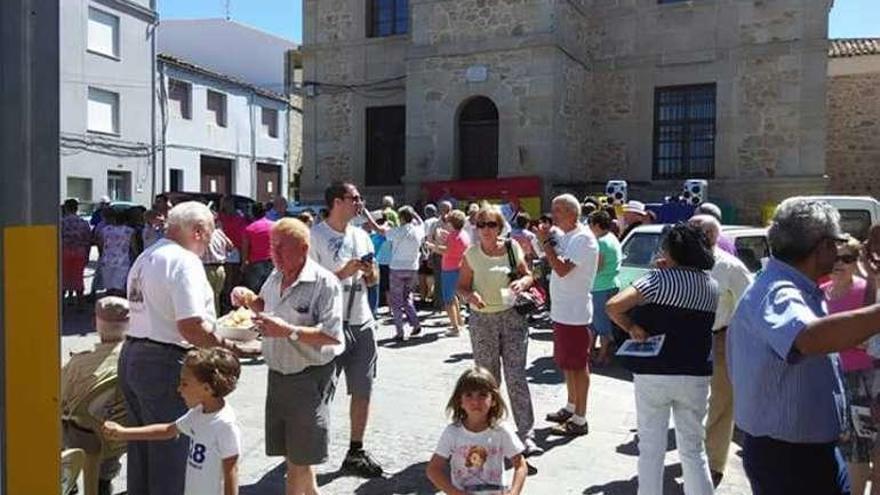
(849, 18)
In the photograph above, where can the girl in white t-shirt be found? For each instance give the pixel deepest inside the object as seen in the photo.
(473, 448)
(207, 376)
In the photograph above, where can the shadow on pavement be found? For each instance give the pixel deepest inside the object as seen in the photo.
(459, 357)
(271, 482)
(548, 442)
(630, 486)
(411, 480)
(612, 370)
(631, 448)
(543, 372)
(543, 336)
(423, 338)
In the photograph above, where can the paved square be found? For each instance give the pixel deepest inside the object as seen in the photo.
(415, 380)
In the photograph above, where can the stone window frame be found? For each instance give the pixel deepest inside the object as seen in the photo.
(692, 126)
(398, 25)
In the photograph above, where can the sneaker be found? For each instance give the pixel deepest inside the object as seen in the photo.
(399, 338)
(453, 333)
(360, 463)
(570, 429)
(415, 332)
(531, 448)
(560, 416)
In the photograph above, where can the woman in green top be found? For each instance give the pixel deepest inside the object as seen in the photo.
(606, 283)
(499, 334)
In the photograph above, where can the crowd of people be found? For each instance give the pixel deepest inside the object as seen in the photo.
(722, 348)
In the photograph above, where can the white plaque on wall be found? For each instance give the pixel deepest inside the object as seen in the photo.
(269, 187)
(477, 73)
(213, 185)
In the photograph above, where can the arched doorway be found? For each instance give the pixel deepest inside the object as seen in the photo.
(478, 139)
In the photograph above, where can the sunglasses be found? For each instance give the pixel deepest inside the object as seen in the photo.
(491, 225)
(847, 258)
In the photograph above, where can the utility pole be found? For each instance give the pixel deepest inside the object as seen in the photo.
(30, 440)
(228, 8)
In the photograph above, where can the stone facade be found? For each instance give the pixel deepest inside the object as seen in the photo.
(574, 83)
(854, 125)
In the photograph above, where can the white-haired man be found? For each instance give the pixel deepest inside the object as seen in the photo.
(573, 256)
(782, 358)
(172, 310)
(84, 372)
(733, 278)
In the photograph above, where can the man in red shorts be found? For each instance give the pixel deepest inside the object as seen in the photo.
(573, 255)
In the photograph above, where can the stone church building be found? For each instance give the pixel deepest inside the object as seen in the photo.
(399, 93)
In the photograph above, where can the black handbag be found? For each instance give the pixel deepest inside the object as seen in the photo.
(529, 300)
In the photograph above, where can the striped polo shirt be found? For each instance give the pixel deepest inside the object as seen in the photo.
(680, 303)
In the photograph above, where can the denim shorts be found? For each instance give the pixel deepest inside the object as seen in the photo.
(448, 284)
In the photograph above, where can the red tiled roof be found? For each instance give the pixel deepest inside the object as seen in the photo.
(853, 47)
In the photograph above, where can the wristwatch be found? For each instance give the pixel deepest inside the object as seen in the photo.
(294, 334)
(550, 242)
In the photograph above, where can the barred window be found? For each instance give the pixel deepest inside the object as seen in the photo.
(684, 132)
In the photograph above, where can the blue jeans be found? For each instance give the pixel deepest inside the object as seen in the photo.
(148, 375)
(775, 467)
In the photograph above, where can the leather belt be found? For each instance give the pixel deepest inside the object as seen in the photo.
(720, 330)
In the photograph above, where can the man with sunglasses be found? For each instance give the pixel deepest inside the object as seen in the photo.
(348, 252)
(781, 355)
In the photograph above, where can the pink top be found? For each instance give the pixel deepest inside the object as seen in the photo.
(851, 359)
(257, 235)
(456, 244)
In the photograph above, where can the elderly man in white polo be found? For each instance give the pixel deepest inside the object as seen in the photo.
(299, 313)
(171, 311)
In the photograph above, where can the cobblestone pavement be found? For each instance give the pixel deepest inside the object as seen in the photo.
(415, 380)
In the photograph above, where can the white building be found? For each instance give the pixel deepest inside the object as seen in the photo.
(260, 59)
(219, 133)
(228, 47)
(106, 95)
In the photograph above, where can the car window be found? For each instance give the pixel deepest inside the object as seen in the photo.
(855, 223)
(639, 249)
(751, 250)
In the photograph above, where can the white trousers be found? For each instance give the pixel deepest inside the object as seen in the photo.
(687, 398)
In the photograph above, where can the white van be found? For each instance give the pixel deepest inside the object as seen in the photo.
(857, 213)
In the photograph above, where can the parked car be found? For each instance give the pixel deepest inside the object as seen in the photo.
(857, 213)
(643, 244)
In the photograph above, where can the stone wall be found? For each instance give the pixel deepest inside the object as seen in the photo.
(445, 21)
(854, 134)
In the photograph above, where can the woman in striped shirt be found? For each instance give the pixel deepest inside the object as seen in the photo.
(676, 300)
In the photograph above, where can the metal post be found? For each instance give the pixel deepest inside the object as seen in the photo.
(29, 296)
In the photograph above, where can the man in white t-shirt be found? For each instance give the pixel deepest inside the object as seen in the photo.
(348, 252)
(171, 310)
(573, 257)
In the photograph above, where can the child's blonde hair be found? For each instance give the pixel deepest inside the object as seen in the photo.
(217, 367)
(476, 379)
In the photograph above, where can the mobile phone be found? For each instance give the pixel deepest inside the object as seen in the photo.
(367, 258)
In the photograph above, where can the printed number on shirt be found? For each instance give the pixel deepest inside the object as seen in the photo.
(197, 452)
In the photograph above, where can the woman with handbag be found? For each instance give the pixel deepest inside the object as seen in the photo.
(490, 283)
